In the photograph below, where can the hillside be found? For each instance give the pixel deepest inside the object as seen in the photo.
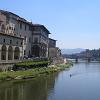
(72, 51)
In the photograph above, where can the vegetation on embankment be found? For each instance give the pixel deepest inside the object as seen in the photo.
(32, 73)
(29, 64)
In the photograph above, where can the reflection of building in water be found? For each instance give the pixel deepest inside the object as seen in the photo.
(37, 89)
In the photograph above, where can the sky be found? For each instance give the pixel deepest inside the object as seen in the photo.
(73, 23)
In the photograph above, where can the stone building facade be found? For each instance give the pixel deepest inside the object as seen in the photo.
(40, 41)
(20, 38)
(54, 52)
(52, 43)
(11, 47)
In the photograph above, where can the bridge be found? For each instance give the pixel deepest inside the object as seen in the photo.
(87, 57)
(88, 60)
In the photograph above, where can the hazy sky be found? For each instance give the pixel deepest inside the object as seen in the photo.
(74, 23)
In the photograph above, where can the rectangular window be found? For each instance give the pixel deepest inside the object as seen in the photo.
(35, 40)
(25, 27)
(4, 40)
(24, 52)
(30, 28)
(17, 42)
(29, 39)
(25, 39)
(20, 25)
(10, 41)
(21, 43)
(10, 28)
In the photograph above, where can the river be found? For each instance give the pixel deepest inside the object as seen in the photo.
(82, 84)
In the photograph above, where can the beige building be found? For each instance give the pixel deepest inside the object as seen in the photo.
(11, 47)
(20, 38)
(54, 52)
(40, 41)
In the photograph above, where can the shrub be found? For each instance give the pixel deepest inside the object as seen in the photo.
(30, 64)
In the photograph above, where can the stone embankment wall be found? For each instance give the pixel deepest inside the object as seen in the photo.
(6, 66)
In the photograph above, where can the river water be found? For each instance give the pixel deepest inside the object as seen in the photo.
(82, 84)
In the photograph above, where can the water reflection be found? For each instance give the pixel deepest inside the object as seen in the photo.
(36, 89)
(84, 83)
(81, 82)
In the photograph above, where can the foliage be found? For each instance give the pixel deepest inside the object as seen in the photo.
(30, 64)
(31, 73)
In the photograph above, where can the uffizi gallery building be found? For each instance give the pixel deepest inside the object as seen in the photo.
(20, 38)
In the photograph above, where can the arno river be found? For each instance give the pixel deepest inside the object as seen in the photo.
(82, 84)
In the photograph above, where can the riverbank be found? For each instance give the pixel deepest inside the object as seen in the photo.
(32, 73)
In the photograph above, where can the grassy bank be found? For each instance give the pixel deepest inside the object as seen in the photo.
(31, 73)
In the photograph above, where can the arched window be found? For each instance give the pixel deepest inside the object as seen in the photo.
(16, 53)
(10, 53)
(3, 52)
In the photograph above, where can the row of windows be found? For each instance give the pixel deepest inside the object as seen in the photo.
(26, 27)
(3, 27)
(10, 42)
(11, 28)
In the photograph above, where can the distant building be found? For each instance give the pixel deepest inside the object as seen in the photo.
(54, 52)
(20, 38)
(52, 43)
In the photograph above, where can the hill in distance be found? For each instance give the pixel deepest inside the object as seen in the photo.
(72, 51)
